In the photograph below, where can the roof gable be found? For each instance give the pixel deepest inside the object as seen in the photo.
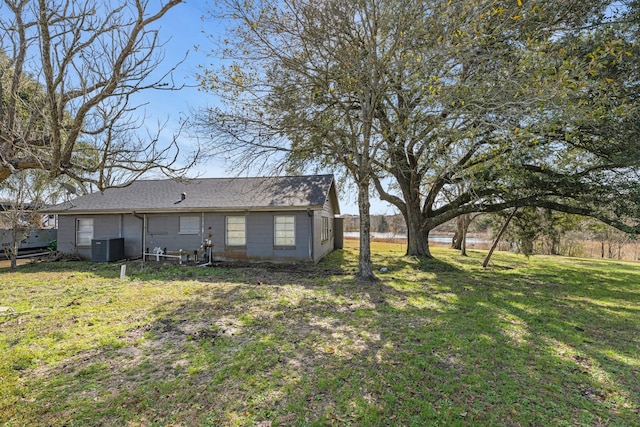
(141, 196)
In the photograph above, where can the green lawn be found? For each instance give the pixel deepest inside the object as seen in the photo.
(529, 342)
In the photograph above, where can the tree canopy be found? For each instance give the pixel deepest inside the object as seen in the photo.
(499, 123)
(464, 107)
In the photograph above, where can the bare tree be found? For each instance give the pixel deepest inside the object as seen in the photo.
(69, 75)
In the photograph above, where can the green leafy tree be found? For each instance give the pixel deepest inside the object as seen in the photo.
(383, 225)
(514, 104)
(524, 230)
(467, 107)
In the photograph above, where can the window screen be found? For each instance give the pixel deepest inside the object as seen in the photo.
(84, 231)
(157, 224)
(326, 230)
(284, 231)
(236, 231)
(189, 225)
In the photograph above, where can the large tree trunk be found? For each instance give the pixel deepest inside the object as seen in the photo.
(365, 267)
(466, 222)
(413, 230)
(417, 240)
(459, 241)
(409, 205)
(423, 244)
(456, 242)
(417, 233)
(463, 237)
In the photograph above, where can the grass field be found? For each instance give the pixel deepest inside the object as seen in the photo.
(529, 342)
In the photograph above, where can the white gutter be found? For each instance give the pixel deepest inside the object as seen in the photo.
(189, 210)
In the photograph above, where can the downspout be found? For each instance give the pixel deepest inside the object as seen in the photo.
(145, 224)
(310, 213)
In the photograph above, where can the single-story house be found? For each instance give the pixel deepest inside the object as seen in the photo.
(289, 218)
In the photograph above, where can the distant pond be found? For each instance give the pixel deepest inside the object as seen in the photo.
(436, 238)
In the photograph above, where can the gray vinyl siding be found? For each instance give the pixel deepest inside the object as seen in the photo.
(166, 227)
(259, 236)
(66, 233)
(214, 230)
(126, 226)
(259, 200)
(104, 227)
(320, 247)
(169, 237)
(132, 233)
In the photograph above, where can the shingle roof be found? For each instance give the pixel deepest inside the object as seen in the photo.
(206, 194)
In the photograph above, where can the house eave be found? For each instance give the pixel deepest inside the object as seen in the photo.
(185, 210)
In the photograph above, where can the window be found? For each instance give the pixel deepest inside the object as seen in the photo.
(189, 225)
(284, 231)
(84, 231)
(326, 231)
(236, 231)
(158, 224)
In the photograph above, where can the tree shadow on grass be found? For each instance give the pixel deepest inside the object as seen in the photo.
(558, 337)
(433, 345)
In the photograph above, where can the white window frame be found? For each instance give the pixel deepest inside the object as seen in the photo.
(189, 225)
(236, 231)
(325, 231)
(284, 230)
(84, 231)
